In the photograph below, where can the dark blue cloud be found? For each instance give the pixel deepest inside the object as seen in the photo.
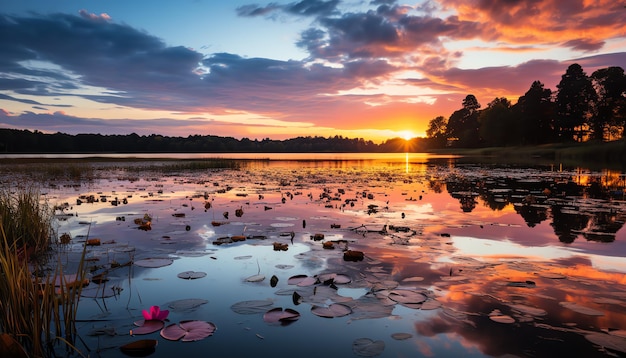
(253, 10)
(313, 7)
(303, 8)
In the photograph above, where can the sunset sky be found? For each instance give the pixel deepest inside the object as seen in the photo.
(280, 69)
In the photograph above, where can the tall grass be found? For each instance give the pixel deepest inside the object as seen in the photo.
(26, 220)
(36, 310)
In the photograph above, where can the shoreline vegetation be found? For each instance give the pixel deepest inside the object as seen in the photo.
(593, 155)
(38, 300)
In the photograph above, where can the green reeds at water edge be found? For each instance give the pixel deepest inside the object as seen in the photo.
(37, 311)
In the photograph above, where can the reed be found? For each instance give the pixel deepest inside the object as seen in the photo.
(26, 220)
(36, 310)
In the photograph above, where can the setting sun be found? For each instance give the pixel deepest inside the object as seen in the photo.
(407, 135)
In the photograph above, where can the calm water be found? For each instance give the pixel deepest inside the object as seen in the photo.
(459, 259)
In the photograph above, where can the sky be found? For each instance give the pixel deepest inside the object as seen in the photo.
(374, 69)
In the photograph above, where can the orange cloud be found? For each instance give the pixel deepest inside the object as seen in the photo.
(582, 25)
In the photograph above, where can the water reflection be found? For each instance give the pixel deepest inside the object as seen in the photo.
(507, 260)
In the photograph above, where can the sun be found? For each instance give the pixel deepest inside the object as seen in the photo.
(407, 135)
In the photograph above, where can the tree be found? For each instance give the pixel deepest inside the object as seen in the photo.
(574, 103)
(463, 123)
(497, 124)
(610, 85)
(535, 111)
(437, 131)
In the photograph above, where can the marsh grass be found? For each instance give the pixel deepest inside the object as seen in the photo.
(48, 170)
(176, 166)
(37, 311)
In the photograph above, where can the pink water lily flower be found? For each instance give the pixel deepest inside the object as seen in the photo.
(155, 314)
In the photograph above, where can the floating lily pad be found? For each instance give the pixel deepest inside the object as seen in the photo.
(278, 315)
(252, 306)
(613, 343)
(147, 327)
(407, 296)
(191, 275)
(255, 278)
(154, 263)
(401, 336)
(333, 310)
(366, 347)
(284, 267)
(533, 311)
(186, 304)
(189, 331)
(294, 280)
(413, 279)
(502, 318)
(430, 305)
(307, 281)
(338, 279)
(140, 348)
(581, 309)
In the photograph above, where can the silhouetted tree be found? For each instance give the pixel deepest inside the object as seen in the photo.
(463, 123)
(535, 111)
(436, 131)
(497, 124)
(610, 85)
(574, 102)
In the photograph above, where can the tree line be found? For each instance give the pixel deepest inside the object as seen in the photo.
(583, 108)
(25, 141)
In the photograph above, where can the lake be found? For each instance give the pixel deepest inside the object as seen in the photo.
(344, 255)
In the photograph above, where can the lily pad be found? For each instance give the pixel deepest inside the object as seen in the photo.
(430, 305)
(188, 331)
(407, 296)
(191, 275)
(140, 348)
(366, 347)
(255, 278)
(335, 278)
(252, 306)
(294, 280)
(307, 281)
(186, 304)
(400, 336)
(147, 327)
(278, 315)
(502, 318)
(581, 309)
(533, 311)
(154, 263)
(613, 343)
(284, 267)
(333, 310)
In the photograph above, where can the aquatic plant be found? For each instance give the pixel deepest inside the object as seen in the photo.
(26, 220)
(35, 310)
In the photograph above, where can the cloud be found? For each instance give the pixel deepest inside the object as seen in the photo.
(91, 57)
(579, 24)
(256, 10)
(90, 16)
(301, 8)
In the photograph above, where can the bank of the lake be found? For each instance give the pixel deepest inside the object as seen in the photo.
(592, 155)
